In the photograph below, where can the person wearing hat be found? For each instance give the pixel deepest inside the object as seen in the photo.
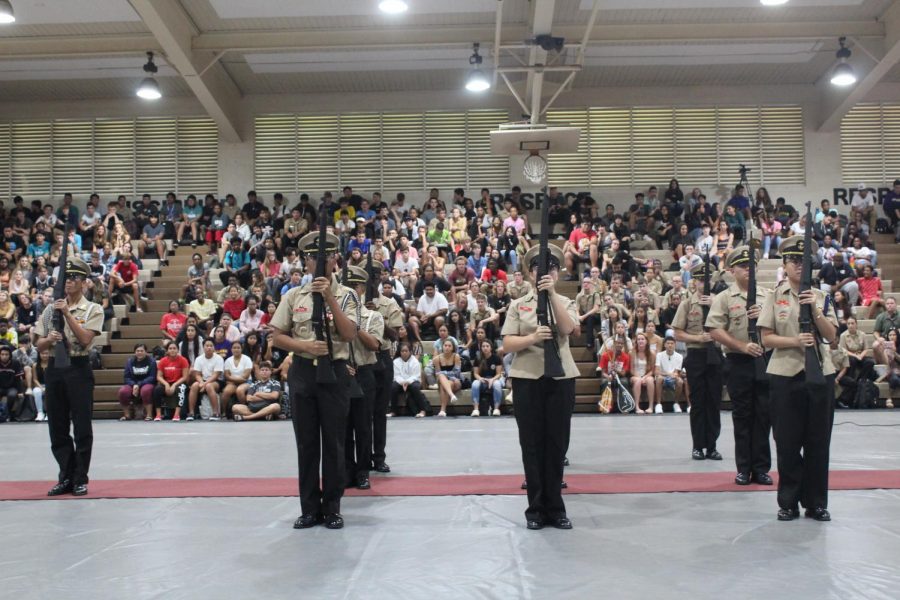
(319, 410)
(802, 413)
(69, 396)
(704, 379)
(543, 405)
(392, 315)
(363, 362)
(727, 322)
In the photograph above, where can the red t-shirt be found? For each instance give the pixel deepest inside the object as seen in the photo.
(127, 273)
(622, 363)
(577, 238)
(869, 288)
(234, 307)
(172, 368)
(500, 275)
(172, 323)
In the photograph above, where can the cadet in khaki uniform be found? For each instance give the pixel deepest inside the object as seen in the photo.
(319, 411)
(392, 319)
(588, 304)
(518, 287)
(543, 405)
(704, 379)
(802, 414)
(728, 322)
(70, 390)
(364, 360)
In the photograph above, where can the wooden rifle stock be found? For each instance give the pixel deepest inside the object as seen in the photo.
(813, 364)
(713, 355)
(321, 327)
(61, 349)
(552, 361)
(759, 364)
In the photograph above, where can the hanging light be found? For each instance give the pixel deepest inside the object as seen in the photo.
(843, 74)
(149, 89)
(773, 2)
(393, 7)
(477, 81)
(6, 12)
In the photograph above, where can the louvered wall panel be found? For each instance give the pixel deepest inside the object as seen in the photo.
(653, 147)
(738, 141)
(156, 156)
(570, 170)
(72, 162)
(782, 143)
(5, 164)
(318, 151)
(31, 160)
(862, 153)
(610, 139)
(484, 168)
(695, 146)
(403, 151)
(114, 166)
(198, 156)
(360, 150)
(275, 154)
(445, 149)
(891, 144)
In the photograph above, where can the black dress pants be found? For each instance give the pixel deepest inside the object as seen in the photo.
(384, 378)
(544, 416)
(70, 403)
(750, 415)
(415, 399)
(319, 414)
(358, 445)
(803, 417)
(705, 383)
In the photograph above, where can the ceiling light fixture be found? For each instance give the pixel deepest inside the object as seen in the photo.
(149, 89)
(6, 12)
(773, 2)
(477, 81)
(393, 7)
(843, 74)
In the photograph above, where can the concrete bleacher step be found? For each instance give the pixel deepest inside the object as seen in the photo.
(139, 331)
(145, 318)
(126, 345)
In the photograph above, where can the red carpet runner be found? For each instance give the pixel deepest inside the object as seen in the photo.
(455, 485)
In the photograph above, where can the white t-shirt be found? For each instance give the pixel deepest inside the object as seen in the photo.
(206, 366)
(90, 220)
(797, 229)
(406, 266)
(237, 369)
(861, 203)
(668, 364)
(432, 305)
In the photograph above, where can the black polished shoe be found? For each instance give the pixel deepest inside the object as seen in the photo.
(362, 482)
(80, 490)
(762, 479)
(534, 524)
(382, 467)
(713, 455)
(63, 487)
(698, 455)
(565, 461)
(562, 523)
(819, 514)
(564, 485)
(524, 485)
(788, 514)
(742, 479)
(841, 405)
(307, 521)
(334, 521)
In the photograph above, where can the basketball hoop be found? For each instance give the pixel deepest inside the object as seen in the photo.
(535, 167)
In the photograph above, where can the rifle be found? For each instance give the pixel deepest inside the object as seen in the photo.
(61, 349)
(713, 356)
(813, 365)
(552, 361)
(371, 287)
(324, 368)
(759, 364)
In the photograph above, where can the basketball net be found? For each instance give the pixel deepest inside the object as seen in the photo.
(535, 167)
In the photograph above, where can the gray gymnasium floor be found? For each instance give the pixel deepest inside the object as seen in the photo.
(663, 545)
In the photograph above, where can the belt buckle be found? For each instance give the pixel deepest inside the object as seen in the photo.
(315, 362)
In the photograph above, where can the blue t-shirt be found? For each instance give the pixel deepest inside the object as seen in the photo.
(35, 250)
(740, 203)
(236, 260)
(192, 213)
(363, 246)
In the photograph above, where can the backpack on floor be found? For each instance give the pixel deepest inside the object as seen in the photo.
(882, 226)
(866, 394)
(24, 409)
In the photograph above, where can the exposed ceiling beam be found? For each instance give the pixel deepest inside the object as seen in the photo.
(174, 30)
(541, 24)
(836, 105)
(80, 45)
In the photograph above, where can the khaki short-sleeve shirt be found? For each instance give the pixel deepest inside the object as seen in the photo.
(87, 313)
(521, 319)
(689, 318)
(516, 290)
(392, 317)
(372, 323)
(584, 302)
(729, 311)
(295, 311)
(854, 343)
(781, 314)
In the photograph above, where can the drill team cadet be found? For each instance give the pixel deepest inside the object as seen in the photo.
(704, 379)
(803, 413)
(543, 405)
(728, 325)
(70, 391)
(319, 411)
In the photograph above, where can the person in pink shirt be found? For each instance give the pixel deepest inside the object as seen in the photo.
(771, 230)
(251, 317)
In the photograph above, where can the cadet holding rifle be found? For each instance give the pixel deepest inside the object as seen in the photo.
(68, 328)
(544, 401)
(803, 412)
(318, 377)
